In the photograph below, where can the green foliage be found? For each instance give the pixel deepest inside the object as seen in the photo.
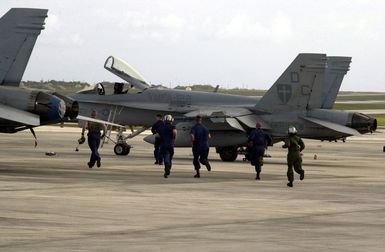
(62, 87)
(358, 106)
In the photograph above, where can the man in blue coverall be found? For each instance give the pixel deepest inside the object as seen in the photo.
(167, 134)
(258, 141)
(154, 129)
(200, 136)
(94, 137)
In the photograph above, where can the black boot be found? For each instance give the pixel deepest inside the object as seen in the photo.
(197, 175)
(208, 166)
(302, 175)
(166, 172)
(258, 177)
(290, 184)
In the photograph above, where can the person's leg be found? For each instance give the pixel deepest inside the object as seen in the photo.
(167, 162)
(91, 145)
(203, 154)
(298, 168)
(196, 163)
(290, 173)
(259, 162)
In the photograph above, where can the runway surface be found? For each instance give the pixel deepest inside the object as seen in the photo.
(56, 203)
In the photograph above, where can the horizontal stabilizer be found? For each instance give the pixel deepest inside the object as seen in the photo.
(333, 126)
(90, 119)
(16, 115)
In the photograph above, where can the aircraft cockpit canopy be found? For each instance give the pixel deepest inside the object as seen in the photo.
(123, 70)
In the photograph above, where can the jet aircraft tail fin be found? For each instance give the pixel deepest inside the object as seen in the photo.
(19, 29)
(311, 81)
(337, 67)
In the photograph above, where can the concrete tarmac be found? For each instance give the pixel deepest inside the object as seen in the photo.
(56, 203)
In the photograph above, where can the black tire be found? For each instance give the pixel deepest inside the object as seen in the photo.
(228, 153)
(127, 149)
(122, 149)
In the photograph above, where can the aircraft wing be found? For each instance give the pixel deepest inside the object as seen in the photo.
(86, 118)
(16, 115)
(333, 126)
(219, 112)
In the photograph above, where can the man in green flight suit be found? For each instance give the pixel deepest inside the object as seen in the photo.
(295, 145)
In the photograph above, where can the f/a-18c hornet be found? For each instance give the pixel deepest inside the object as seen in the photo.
(22, 108)
(303, 96)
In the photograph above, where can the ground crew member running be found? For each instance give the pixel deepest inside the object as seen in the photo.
(199, 137)
(295, 145)
(167, 134)
(258, 142)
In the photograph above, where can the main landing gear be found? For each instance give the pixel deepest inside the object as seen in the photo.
(122, 148)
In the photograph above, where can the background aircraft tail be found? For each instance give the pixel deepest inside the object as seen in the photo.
(19, 29)
(311, 81)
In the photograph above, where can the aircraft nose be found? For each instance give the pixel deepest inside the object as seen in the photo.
(149, 139)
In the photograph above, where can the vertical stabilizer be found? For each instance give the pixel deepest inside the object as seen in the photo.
(299, 87)
(334, 75)
(19, 29)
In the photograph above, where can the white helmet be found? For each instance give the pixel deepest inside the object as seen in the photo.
(168, 118)
(292, 130)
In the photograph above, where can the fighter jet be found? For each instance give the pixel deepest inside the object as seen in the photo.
(303, 96)
(22, 108)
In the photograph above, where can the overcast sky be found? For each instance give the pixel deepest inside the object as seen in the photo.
(244, 43)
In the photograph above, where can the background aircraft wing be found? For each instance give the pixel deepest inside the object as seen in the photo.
(17, 115)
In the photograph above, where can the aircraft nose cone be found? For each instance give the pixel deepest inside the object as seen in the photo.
(149, 139)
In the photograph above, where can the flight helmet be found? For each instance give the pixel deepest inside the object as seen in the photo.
(292, 130)
(168, 118)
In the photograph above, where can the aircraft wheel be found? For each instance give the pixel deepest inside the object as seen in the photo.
(228, 153)
(127, 149)
(122, 149)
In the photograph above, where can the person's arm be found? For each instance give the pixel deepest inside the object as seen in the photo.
(301, 145)
(153, 131)
(174, 133)
(269, 140)
(85, 126)
(286, 143)
(192, 135)
(104, 128)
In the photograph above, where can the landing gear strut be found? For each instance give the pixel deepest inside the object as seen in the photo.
(121, 147)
